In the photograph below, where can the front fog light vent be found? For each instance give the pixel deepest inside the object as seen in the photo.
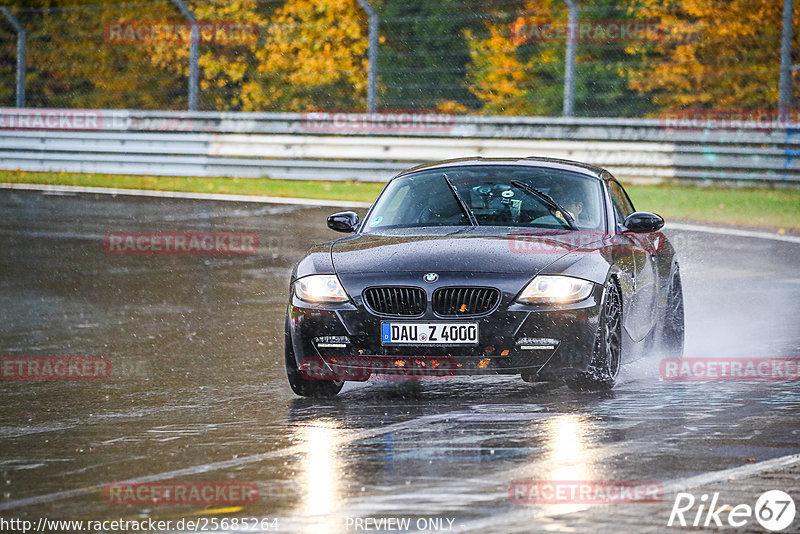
(537, 343)
(332, 342)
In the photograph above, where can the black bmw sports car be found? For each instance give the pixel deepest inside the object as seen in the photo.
(537, 267)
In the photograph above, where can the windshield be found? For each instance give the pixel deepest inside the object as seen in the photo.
(510, 195)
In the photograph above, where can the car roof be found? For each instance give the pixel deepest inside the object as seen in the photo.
(532, 161)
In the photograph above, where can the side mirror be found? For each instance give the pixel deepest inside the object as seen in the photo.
(643, 221)
(345, 221)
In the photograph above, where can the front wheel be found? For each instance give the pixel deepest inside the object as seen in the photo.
(301, 386)
(672, 334)
(606, 356)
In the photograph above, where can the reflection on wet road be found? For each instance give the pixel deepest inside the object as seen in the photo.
(198, 391)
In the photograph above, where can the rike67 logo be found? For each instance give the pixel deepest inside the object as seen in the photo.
(774, 510)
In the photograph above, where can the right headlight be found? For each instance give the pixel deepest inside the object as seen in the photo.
(555, 289)
(319, 288)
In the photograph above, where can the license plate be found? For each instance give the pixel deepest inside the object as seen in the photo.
(429, 333)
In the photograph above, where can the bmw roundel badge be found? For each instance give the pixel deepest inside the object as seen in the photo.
(431, 277)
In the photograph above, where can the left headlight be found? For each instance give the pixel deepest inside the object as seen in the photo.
(320, 288)
(555, 289)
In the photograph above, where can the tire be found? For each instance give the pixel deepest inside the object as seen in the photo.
(530, 377)
(607, 352)
(672, 334)
(301, 386)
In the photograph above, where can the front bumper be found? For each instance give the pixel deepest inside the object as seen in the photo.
(344, 341)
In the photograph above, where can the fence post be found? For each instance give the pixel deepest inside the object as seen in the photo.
(372, 55)
(194, 53)
(785, 82)
(569, 60)
(22, 38)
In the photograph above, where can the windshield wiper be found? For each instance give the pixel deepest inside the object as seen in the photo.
(548, 201)
(470, 216)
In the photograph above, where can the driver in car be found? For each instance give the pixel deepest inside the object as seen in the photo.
(572, 201)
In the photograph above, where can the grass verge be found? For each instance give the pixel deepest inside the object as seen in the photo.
(338, 190)
(740, 206)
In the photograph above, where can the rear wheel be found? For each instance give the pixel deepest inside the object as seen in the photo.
(672, 334)
(606, 356)
(301, 386)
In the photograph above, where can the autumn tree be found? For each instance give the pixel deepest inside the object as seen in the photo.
(314, 56)
(227, 63)
(720, 53)
(71, 64)
(423, 54)
(497, 76)
(308, 54)
(304, 55)
(514, 71)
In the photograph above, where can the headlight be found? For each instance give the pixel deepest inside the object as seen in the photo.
(320, 288)
(555, 289)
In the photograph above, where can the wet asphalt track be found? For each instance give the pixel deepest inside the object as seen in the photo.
(198, 391)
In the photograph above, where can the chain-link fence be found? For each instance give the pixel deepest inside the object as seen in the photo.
(502, 57)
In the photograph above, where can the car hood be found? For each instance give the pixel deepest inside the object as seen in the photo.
(458, 251)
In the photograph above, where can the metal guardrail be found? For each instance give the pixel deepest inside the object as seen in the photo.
(376, 146)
